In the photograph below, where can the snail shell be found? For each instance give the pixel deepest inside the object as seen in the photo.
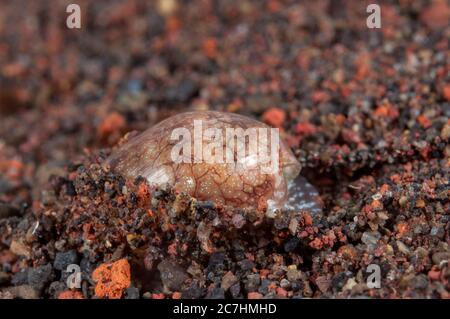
(226, 158)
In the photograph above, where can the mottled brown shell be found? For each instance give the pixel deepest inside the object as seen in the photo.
(149, 155)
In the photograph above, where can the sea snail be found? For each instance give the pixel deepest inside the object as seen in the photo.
(226, 158)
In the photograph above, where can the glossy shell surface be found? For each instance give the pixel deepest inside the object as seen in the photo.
(151, 155)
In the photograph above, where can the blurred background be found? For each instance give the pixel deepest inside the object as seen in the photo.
(303, 66)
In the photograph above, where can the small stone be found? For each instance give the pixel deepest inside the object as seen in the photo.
(420, 282)
(437, 231)
(64, 259)
(351, 282)
(40, 276)
(291, 244)
(56, 287)
(440, 257)
(253, 282)
(445, 132)
(23, 292)
(172, 275)
(406, 280)
(246, 264)
(147, 295)
(274, 117)
(282, 292)
(48, 197)
(403, 248)
(20, 249)
(60, 244)
(293, 224)
(192, 292)
(370, 238)
(434, 275)
(112, 279)
(293, 275)
(403, 201)
(6, 295)
(215, 293)
(254, 295)
(420, 203)
(166, 7)
(307, 290)
(235, 290)
(284, 283)
(238, 221)
(70, 294)
(20, 278)
(323, 283)
(338, 282)
(228, 280)
(264, 287)
(132, 293)
(176, 295)
(436, 15)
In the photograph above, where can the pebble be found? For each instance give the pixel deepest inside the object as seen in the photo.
(338, 282)
(38, 277)
(351, 282)
(254, 295)
(370, 238)
(20, 249)
(215, 293)
(147, 295)
(235, 290)
(64, 259)
(264, 287)
(246, 264)
(284, 283)
(23, 292)
(440, 257)
(172, 275)
(291, 244)
(182, 92)
(293, 275)
(216, 262)
(403, 201)
(228, 280)
(20, 277)
(56, 287)
(403, 248)
(192, 293)
(253, 282)
(323, 283)
(132, 293)
(420, 281)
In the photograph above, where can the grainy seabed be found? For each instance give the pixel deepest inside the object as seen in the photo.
(365, 111)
